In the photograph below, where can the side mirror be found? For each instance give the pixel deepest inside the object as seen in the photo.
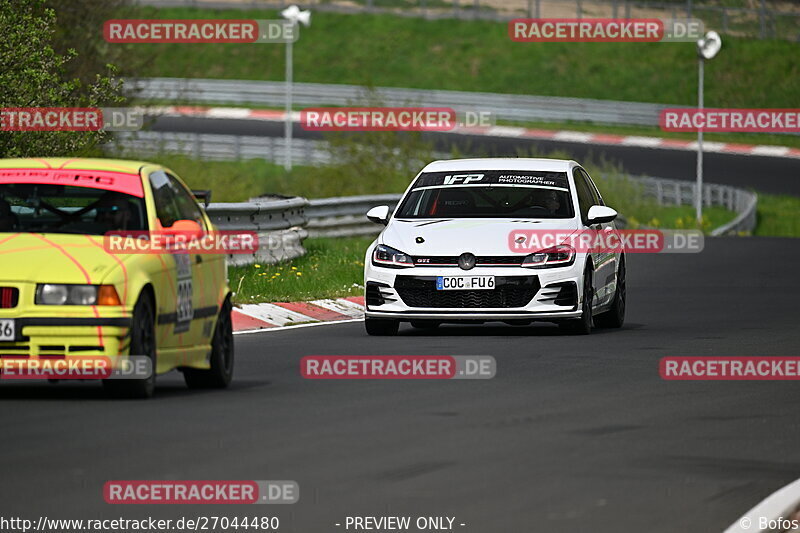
(379, 215)
(188, 229)
(202, 196)
(599, 214)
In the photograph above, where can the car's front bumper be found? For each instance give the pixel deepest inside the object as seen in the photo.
(67, 337)
(63, 331)
(520, 294)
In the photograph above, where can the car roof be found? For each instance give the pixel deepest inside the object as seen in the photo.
(76, 163)
(501, 163)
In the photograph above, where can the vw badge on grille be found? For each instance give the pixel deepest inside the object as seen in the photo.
(466, 261)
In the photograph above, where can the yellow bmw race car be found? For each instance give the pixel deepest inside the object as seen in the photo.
(64, 293)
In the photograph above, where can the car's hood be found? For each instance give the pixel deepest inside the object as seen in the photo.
(451, 237)
(55, 257)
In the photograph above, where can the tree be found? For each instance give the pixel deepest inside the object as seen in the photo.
(33, 74)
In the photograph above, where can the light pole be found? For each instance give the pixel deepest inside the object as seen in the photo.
(294, 15)
(707, 48)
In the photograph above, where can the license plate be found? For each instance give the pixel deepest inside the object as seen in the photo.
(464, 283)
(7, 330)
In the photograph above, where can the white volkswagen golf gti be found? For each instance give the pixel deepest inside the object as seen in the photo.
(458, 248)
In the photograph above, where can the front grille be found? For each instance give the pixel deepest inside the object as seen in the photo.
(485, 260)
(509, 291)
(9, 296)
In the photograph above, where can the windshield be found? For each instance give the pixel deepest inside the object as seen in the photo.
(45, 208)
(490, 194)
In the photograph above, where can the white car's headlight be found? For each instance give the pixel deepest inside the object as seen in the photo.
(557, 256)
(386, 256)
(60, 294)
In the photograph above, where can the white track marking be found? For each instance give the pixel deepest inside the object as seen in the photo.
(274, 314)
(647, 142)
(344, 307)
(770, 150)
(284, 328)
(573, 136)
(505, 131)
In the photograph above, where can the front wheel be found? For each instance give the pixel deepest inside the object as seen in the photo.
(220, 374)
(381, 327)
(615, 317)
(143, 343)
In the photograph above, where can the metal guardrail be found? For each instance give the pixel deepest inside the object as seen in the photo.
(677, 192)
(345, 216)
(278, 221)
(763, 21)
(283, 223)
(218, 147)
(514, 107)
(338, 217)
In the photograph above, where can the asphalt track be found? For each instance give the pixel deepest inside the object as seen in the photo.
(774, 175)
(573, 434)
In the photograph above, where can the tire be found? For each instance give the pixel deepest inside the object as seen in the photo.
(143, 342)
(615, 317)
(220, 374)
(583, 325)
(381, 327)
(425, 324)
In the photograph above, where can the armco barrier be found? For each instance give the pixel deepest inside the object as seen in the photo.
(218, 147)
(676, 192)
(344, 216)
(278, 221)
(283, 223)
(514, 107)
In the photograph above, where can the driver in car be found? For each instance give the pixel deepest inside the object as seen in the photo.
(114, 210)
(547, 199)
(551, 202)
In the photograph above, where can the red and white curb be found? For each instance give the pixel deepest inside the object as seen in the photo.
(243, 113)
(249, 318)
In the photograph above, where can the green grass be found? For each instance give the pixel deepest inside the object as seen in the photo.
(681, 217)
(332, 268)
(385, 50)
(238, 181)
(778, 216)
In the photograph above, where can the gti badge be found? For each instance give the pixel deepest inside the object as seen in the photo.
(466, 261)
(420, 240)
